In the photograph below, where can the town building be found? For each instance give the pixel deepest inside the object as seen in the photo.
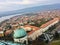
(1, 32)
(20, 35)
(50, 23)
(37, 32)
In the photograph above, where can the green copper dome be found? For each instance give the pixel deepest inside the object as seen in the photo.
(19, 33)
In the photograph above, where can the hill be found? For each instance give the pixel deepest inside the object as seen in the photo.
(31, 9)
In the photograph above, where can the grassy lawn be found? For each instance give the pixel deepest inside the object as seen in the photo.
(56, 42)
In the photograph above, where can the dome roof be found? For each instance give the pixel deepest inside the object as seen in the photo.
(19, 33)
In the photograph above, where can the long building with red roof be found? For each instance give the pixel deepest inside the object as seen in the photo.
(49, 24)
(38, 31)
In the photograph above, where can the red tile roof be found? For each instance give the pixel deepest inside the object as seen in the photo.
(31, 32)
(33, 29)
(8, 32)
(43, 26)
(48, 23)
(1, 29)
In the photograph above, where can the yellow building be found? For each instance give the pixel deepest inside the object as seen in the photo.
(1, 33)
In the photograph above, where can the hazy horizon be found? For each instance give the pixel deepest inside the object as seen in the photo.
(10, 5)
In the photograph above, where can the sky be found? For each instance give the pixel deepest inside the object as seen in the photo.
(10, 5)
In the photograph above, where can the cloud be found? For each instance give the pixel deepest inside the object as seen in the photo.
(22, 2)
(27, 2)
(7, 5)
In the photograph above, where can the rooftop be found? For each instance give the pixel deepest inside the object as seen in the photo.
(48, 23)
(34, 28)
(19, 33)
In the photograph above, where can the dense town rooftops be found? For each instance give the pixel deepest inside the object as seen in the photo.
(0, 28)
(14, 24)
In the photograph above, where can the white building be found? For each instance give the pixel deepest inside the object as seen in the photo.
(35, 33)
(20, 35)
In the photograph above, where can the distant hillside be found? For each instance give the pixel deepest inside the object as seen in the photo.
(32, 9)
